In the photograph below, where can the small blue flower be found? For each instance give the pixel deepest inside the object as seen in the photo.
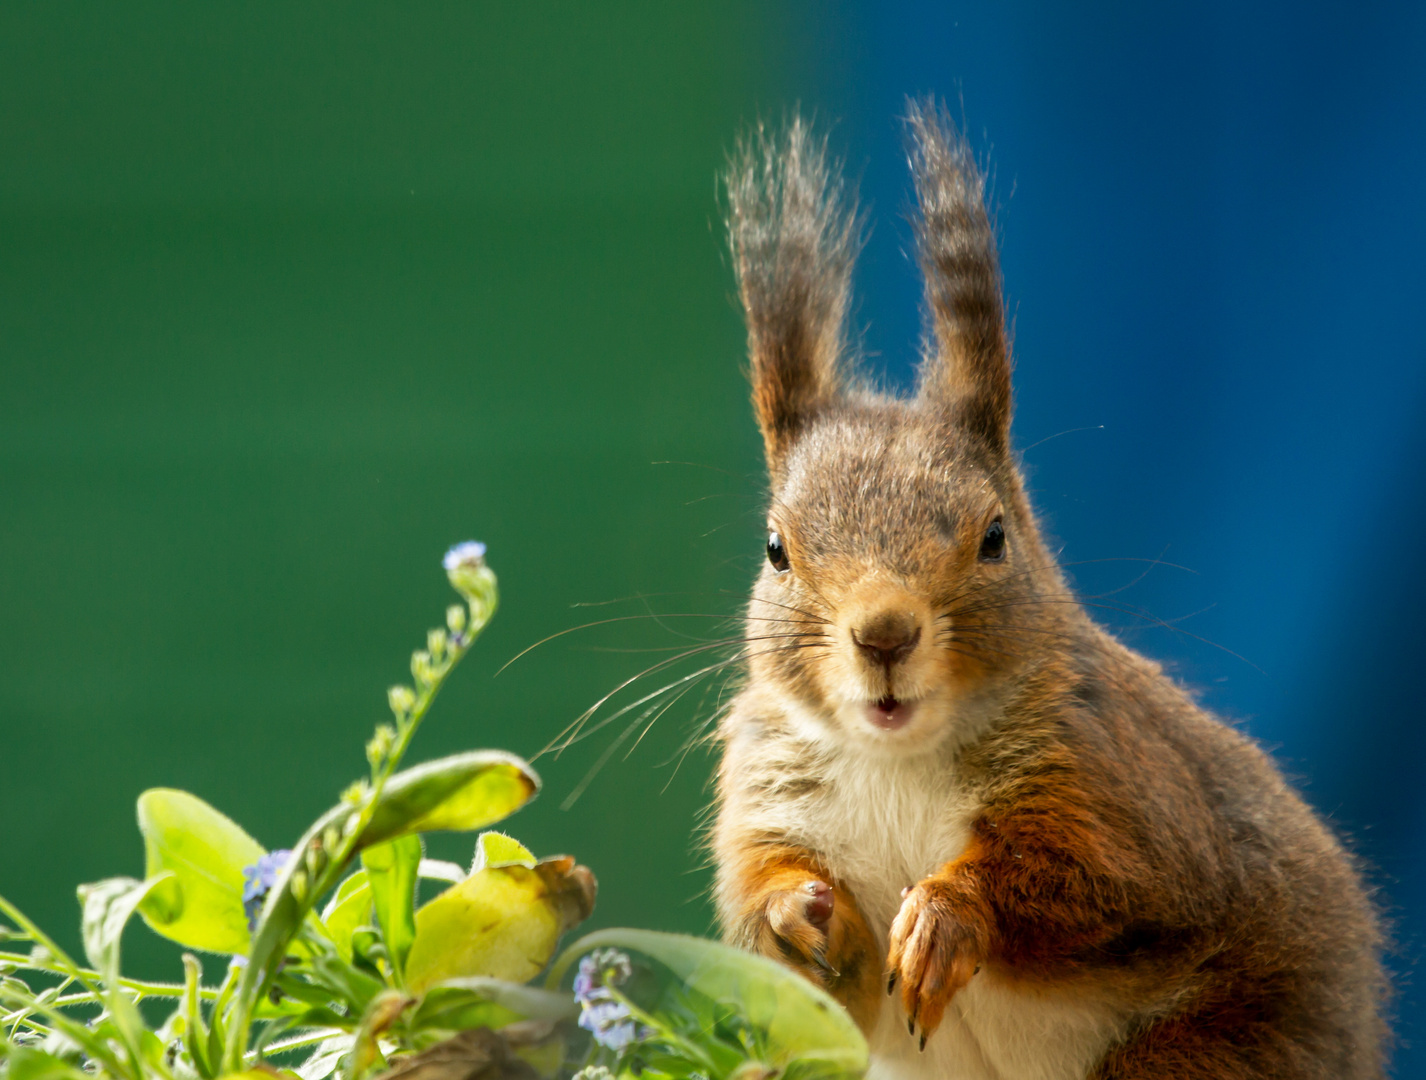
(470, 553)
(258, 880)
(601, 1013)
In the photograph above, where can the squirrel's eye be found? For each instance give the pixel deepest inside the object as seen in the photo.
(776, 553)
(992, 544)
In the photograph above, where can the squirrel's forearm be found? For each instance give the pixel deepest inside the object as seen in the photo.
(751, 871)
(780, 900)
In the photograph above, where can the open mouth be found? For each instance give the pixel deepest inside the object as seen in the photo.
(890, 713)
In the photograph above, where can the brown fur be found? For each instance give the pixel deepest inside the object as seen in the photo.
(1093, 835)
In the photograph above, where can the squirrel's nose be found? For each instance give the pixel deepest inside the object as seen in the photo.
(888, 638)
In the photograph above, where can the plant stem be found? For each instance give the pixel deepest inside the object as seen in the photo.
(261, 967)
(141, 987)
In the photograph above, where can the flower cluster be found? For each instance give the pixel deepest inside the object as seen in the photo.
(258, 881)
(602, 1011)
(469, 576)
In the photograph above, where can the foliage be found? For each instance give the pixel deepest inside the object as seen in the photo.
(370, 982)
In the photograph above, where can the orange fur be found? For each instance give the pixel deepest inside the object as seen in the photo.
(771, 902)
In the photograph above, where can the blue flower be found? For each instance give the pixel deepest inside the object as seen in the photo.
(601, 1013)
(471, 553)
(258, 880)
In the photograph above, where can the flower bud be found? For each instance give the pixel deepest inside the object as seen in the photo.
(331, 837)
(421, 667)
(436, 643)
(314, 860)
(298, 885)
(380, 744)
(465, 566)
(455, 619)
(401, 699)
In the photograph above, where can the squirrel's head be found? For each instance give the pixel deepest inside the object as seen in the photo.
(906, 587)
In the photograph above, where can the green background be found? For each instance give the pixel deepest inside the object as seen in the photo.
(292, 299)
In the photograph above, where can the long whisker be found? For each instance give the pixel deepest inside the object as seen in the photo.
(572, 733)
(1153, 620)
(632, 618)
(686, 683)
(599, 763)
(581, 730)
(1151, 563)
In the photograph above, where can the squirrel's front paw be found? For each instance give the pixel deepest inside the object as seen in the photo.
(792, 926)
(933, 954)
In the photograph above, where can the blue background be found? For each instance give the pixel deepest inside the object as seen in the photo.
(1213, 220)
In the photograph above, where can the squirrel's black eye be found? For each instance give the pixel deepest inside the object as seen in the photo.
(776, 553)
(992, 544)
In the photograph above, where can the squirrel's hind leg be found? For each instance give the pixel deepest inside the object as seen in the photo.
(779, 900)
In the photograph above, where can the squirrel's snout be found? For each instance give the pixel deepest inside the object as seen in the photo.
(888, 638)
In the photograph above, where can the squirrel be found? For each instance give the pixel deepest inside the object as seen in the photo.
(1008, 844)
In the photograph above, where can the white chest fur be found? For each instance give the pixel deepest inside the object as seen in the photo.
(885, 823)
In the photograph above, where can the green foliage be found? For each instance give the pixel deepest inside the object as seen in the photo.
(731, 1005)
(391, 876)
(205, 853)
(374, 982)
(460, 793)
(502, 922)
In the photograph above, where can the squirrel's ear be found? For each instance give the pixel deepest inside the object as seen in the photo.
(794, 236)
(966, 369)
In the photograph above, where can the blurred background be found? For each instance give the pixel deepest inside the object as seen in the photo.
(293, 297)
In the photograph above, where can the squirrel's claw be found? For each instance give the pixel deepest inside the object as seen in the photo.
(932, 956)
(819, 957)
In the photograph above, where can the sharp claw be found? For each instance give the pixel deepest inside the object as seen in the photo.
(923, 1042)
(821, 962)
(891, 983)
(911, 1026)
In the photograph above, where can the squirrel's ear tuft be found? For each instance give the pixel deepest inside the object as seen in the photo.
(966, 369)
(794, 236)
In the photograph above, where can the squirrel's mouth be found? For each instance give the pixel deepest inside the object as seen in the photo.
(890, 713)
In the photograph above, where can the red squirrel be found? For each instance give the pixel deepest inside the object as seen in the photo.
(1011, 846)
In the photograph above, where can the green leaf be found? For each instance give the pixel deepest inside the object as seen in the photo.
(462, 792)
(354, 988)
(349, 908)
(108, 907)
(494, 849)
(799, 1023)
(195, 1029)
(391, 872)
(27, 1063)
(326, 1057)
(206, 852)
(502, 922)
(441, 870)
(462, 1004)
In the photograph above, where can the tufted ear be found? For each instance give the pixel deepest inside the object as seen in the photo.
(966, 367)
(794, 237)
